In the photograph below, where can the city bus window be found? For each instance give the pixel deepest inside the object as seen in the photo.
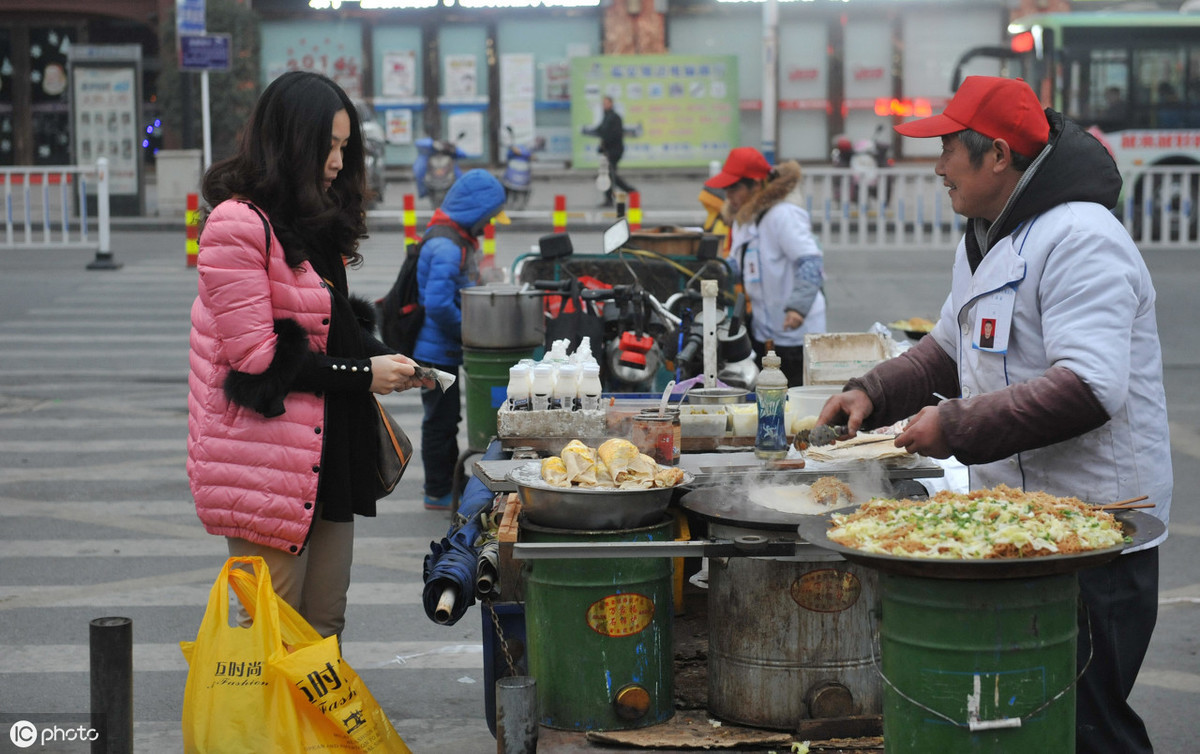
(1106, 77)
(1162, 88)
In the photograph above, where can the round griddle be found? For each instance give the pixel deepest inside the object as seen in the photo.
(1140, 527)
(731, 505)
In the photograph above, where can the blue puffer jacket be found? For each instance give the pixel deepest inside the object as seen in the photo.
(441, 274)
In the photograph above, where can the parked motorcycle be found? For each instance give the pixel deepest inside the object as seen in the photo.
(436, 167)
(865, 159)
(518, 164)
(634, 335)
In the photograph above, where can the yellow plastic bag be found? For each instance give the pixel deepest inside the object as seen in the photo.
(276, 686)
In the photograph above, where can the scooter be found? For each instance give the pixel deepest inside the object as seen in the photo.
(633, 334)
(436, 167)
(517, 178)
(865, 159)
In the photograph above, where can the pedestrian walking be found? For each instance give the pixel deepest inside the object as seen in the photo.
(449, 263)
(612, 132)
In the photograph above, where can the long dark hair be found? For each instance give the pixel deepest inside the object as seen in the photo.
(280, 167)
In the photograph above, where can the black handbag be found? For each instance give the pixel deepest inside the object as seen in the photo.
(395, 451)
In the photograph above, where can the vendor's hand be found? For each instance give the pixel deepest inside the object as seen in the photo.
(851, 405)
(392, 372)
(924, 435)
(792, 319)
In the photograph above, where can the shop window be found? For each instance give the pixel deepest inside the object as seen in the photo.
(49, 106)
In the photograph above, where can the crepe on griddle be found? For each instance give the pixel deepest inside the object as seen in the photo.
(861, 447)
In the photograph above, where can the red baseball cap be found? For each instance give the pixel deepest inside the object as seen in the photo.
(996, 107)
(742, 162)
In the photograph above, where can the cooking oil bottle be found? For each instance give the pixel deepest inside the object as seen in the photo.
(770, 442)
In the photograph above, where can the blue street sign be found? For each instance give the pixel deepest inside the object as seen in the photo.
(204, 52)
(189, 17)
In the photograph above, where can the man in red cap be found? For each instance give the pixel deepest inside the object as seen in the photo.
(775, 254)
(1063, 392)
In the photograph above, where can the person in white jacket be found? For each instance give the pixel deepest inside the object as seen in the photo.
(774, 254)
(1067, 397)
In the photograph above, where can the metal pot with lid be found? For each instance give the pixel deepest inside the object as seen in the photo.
(501, 316)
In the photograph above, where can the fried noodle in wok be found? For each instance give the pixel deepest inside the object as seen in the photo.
(996, 523)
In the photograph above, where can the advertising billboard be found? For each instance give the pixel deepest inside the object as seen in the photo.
(678, 110)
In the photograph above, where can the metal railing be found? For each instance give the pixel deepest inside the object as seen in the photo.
(47, 207)
(907, 207)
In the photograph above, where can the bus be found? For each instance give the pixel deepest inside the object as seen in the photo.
(1131, 78)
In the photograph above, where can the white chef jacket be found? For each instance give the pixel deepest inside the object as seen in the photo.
(1081, 298)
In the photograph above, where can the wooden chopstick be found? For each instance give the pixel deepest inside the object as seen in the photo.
(1115, 507)
(1123, 503)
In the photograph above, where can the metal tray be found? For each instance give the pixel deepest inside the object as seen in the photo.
(1140, 527)
(592, 509)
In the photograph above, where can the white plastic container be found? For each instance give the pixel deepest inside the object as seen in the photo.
(566, 388)
(808, 400)
(518, 388)
(590, 387)
(542, 389)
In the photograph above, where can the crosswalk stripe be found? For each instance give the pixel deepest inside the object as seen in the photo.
(116, 511)
(153, 592)
(150, 657)
(189, 547)
(123, 339)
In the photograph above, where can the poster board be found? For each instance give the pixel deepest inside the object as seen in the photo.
(686, 107)
(106, 118)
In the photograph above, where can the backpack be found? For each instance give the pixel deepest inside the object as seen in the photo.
(401, 314)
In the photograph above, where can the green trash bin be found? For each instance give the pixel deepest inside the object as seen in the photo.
(599, 632)
(486, 387)
(1000, 650)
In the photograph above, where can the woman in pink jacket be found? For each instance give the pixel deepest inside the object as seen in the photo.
(283, 361)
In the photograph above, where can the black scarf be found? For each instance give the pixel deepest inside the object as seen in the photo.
(347, 485)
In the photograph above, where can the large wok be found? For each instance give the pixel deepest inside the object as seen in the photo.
(1140, 527)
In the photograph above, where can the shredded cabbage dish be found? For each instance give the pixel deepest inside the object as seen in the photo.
(993, 523)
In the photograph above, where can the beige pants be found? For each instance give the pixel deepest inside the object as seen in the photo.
(314, 582)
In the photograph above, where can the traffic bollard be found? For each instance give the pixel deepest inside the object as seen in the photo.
(111, 645)
(516, 715)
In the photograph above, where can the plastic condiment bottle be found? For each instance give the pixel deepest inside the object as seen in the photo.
(518, 387)
(542, 389)
(770, 442)
(590, 387)
(566, 388)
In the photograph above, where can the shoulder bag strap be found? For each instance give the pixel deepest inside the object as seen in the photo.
(266, 229)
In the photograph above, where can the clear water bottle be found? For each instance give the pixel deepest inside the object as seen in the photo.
(770, 442)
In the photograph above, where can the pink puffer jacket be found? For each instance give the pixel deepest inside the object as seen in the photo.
(252, 477)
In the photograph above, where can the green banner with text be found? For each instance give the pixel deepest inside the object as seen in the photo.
(678, 110)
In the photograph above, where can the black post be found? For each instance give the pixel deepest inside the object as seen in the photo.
(111, 642)
(185, 92)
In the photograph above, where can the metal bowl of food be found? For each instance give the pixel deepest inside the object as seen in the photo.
(710, 395)
(592, 509)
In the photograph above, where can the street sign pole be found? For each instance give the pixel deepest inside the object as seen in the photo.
(206, 119)
(204, 53)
